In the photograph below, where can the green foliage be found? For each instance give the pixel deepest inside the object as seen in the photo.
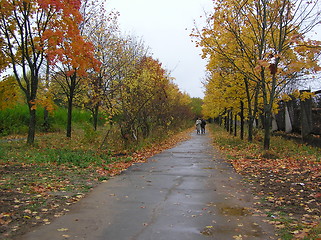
(196, 105)
(90, 135)
(15, 120)
(59, 117)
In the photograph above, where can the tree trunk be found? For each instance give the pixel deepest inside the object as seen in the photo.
(250, 129)
(267, 130)
(46, 125)
(72, 87)
(32, 110)
(32, 127)
(226, 122)
(69, 118)
(231, 122)
(145, 127)
(235, 125)
(242, 120)
(95, 116)
(106, 136)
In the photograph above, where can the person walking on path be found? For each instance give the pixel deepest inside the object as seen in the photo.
(198, 126)
(203, 123)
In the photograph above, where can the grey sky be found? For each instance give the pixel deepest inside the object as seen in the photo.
(165, 27)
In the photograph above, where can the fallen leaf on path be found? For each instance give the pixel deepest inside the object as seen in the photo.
(62, 229)
(238, 237)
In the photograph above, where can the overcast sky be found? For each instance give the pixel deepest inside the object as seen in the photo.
(165, 27)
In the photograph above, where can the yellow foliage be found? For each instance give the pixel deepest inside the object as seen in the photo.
(285, 97)
(10, 93)
(296, 93)
(306, 95)
(302, 95)
(250, 56)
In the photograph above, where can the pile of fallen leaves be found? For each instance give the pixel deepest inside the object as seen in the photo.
(34, 193)
(286, 181)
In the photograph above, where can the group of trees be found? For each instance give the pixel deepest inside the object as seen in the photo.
(257, 50)
(73, 52)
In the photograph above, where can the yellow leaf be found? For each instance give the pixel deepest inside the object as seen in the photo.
(238, 237)
(62, 229)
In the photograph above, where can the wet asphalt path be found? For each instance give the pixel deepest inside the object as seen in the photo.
(184, 193)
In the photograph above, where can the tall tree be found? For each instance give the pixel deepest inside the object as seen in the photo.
(75, 59)
(33, 31)
(103, 32)
(266, 42)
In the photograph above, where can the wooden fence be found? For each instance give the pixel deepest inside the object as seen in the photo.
(298, 116)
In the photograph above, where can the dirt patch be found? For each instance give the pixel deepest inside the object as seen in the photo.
(33, 195)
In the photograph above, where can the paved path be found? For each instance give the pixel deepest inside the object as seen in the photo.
(184, 193)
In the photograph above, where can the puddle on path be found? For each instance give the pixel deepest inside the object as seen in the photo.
(252, 231)
(229, 210)
(214, 230)
(233, 211)
(249, 229)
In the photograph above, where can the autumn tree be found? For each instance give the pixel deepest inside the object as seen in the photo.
(33, 32)
(151, 102)
(104, 33)
(75, 59)
(178, 112)
(138, 90)
(265, 42)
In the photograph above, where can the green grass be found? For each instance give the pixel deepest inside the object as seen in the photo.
(16, 120)
(77, 157)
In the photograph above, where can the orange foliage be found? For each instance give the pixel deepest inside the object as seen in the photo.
(63, 39)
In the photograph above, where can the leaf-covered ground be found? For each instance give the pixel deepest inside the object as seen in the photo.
(39, 184)
(286, 181)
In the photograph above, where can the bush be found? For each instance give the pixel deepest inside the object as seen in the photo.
(90, 135)
(14, 120)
